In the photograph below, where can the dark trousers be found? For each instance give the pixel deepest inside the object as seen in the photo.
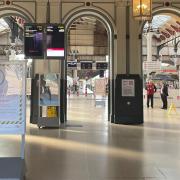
(164, 100)
(150, 98)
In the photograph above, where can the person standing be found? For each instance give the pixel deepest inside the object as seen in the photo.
(151, 89)
(164, 95)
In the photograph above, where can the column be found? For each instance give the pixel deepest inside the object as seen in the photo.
(149, 46)
(149, 50)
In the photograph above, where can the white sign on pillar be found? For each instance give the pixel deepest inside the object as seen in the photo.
(100, 87)
(150, 66)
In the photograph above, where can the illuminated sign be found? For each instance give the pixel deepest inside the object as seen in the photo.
(86, 65)
(33, 41)
(101, 65)
(72, 65)
(55, 41)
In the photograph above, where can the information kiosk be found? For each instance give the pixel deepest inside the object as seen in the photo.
(46, 41)
(128, 99)
(13, 114)
(49, 100)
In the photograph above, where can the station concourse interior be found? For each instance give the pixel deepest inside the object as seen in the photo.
(86, 112)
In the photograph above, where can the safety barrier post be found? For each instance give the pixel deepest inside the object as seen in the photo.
(172, 107)
(86, 91)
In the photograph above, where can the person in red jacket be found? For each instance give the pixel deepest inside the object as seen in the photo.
(151, 89)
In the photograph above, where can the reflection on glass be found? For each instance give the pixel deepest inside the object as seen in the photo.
(49, 90)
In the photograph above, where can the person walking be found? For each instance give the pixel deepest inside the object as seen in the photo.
(164, 95)
(151, 89)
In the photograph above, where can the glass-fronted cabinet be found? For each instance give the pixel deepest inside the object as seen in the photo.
(49, 100)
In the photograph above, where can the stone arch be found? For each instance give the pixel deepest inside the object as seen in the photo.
(16, 12)
(104, 18)
(156, 11)
(98, 13)
(174, 11)
(108, 22)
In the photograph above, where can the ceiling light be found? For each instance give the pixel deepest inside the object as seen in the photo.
(142, 9)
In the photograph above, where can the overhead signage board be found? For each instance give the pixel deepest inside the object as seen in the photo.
(72, 65)
(55, 41)
(86, 65)
(12, 97)
(151, 65)
(101, 65)
(33, 41)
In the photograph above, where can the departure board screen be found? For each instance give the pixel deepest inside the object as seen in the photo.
(33, 41)
(101, 65)
(86, 65)
(72, 65)
(55, 41)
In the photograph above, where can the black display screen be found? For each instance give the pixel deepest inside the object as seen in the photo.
(55, 41)
(33, 41)
(72, 64)
(86, 65)
(101, 65)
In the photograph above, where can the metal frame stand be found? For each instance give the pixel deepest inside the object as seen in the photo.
(13, 168)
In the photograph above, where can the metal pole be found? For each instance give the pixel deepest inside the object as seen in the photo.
(48, 12)
(22, 146)
(179, 79)
(149, 50)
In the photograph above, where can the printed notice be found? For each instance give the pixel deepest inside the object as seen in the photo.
(128, 87)
(100, 87)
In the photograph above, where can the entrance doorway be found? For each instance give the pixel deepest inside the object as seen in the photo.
(88, 68)
(160, 54)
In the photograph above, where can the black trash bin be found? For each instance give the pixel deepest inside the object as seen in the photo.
(128, 99)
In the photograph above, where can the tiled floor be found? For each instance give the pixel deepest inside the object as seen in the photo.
(90, 148)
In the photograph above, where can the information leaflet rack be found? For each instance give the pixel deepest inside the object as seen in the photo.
(13, 115)
(49, 100)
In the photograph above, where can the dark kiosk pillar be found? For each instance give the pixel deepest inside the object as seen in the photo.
(128, 99)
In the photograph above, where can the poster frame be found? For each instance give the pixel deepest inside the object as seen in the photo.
(126, 87)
